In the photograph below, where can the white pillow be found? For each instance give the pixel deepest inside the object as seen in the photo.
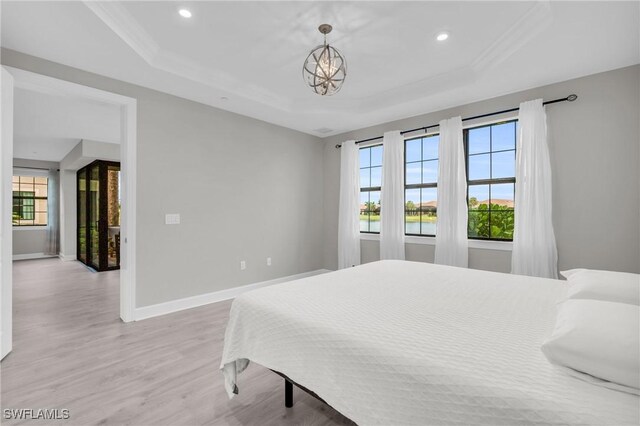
(603, 285)
(598, 338)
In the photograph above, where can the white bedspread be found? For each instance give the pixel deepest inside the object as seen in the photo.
(396, 342)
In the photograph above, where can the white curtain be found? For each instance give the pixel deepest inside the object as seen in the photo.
(53, 216)
(534, 242)
(451, 231)
(349, 209)
(392, 197)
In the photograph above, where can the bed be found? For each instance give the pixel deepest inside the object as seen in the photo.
(397, 342)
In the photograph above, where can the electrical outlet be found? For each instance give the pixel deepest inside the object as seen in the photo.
(268, 261)
(243, 265)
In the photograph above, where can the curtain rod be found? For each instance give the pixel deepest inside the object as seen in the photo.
(569, 98)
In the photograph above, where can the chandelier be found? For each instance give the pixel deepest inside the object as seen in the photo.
(325, 68)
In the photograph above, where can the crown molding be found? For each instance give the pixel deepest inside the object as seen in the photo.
(124, 25)
(537, 19)
(116, 17)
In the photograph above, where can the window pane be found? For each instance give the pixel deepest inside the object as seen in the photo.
(479, 167)
(27, 212)
(376, 176)
(479, 140)
(374, 211)
(16, 179)
(478, 197)
(502, 224)
(26, 186)
(502, 196)
(374, 202)
(41, 219)
(413, 150)
(503, 164)
(364, 200)
(40, 180)
(429, 211)
(430, 171)
(15, 187)
(364, 222)
(374, 222)
(41, 190)
(429, 198)
(365, 178)
(430, 147)
(41, 205)
(414, 172)
(412, 199)
(503, 136)
(376, 155)
(365, 157)
(412, 213)
(479, 224)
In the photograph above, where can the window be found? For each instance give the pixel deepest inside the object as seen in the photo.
(421, 185)
(491, 171)
(29, 201)
(370, 185)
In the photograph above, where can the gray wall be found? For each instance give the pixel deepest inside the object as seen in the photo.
(245, 190)
(30, 240)
(68, 214)
(594, 144)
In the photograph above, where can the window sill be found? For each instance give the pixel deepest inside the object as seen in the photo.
(491, 245)
(474, 244)
(370, 237)
(30, 228)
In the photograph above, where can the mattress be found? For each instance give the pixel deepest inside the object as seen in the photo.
(396, 342)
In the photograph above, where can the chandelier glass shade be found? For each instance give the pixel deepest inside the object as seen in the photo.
(325, 68)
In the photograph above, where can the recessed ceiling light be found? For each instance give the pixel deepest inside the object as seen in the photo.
(185, 13)
(442, 36)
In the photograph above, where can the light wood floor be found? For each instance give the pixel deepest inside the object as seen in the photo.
(72, 351)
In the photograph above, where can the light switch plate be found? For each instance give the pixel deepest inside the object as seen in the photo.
(172, 219)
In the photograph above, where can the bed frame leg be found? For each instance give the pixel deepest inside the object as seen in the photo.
(288, 394)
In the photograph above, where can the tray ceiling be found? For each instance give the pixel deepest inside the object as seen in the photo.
(251, 53)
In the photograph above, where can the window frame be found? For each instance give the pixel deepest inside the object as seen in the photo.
(417, 185)
(370, 188)
(490, 181)
(34, 198)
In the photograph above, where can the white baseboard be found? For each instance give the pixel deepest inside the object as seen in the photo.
(67, 257)
(29, 256)
(216, 296)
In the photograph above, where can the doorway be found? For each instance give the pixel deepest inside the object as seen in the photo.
(18, 78)
(98, 202)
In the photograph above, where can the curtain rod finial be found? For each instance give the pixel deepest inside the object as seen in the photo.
(338, 145)
(572, 97)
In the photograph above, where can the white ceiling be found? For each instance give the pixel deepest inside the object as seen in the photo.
(47, 126)
(252, 52)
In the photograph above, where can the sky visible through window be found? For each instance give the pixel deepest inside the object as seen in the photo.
(421, 180)
(370, 183)
(490, 162)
